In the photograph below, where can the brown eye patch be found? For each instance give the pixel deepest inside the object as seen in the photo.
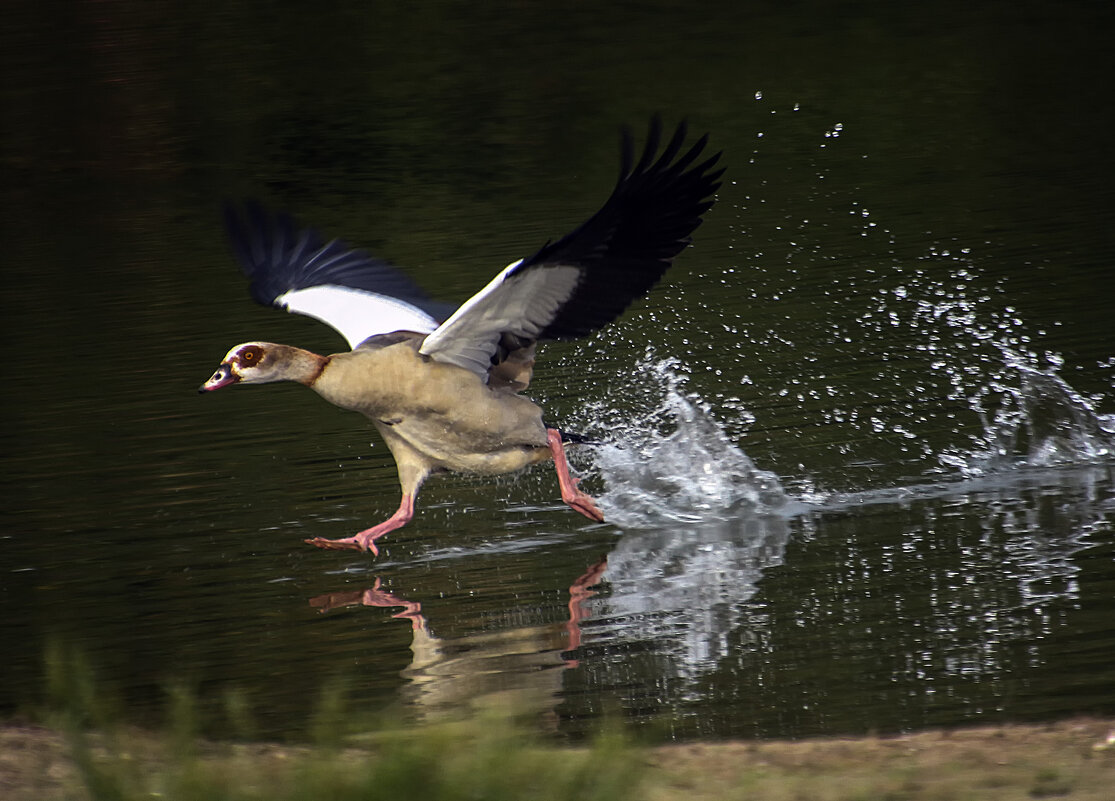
(251, 356)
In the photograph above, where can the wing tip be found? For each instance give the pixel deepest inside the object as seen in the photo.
(655, 164)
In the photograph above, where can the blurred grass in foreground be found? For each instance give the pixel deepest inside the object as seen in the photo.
(490, 756)
(86, 755)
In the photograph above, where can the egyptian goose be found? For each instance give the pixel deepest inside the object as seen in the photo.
(443, 389)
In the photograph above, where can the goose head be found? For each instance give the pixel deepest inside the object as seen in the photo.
(250, 363)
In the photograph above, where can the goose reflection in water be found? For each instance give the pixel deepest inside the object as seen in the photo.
(679, 594)
(518, 668)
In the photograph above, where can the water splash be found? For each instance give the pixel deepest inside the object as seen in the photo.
(961, 390)
(980, 357)
(676, 463)
(1038, 420)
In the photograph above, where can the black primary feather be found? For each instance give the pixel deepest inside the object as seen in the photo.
(628, 245)
(278, 256)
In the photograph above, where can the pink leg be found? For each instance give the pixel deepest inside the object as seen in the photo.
(373, 597)
(579, 592)
(569, 492)
(366, 540)
(411, 609)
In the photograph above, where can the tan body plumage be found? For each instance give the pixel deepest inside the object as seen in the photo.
(436, 416)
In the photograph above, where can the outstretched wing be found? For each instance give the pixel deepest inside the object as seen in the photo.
(586, 279)
(296, 270)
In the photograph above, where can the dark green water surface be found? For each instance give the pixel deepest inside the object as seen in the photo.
(860, 443)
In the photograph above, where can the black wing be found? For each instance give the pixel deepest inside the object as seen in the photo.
(293, 268)
(586, 279)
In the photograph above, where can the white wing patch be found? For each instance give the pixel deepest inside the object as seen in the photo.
(522, 304)
(354, 313)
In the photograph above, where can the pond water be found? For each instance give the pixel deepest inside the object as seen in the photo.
(858, 447)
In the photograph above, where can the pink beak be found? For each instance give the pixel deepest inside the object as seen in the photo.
(222, 378)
